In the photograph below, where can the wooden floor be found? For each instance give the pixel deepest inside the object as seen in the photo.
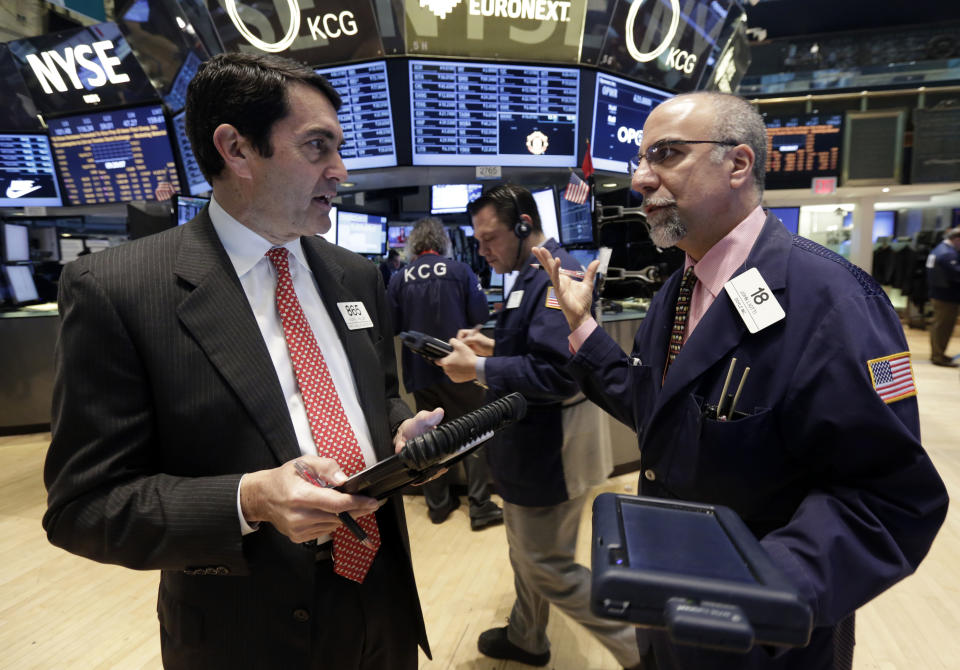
(60, 611)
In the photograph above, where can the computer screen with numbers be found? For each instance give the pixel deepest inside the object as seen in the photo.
(117, 156)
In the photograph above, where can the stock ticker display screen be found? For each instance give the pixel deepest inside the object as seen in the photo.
(365, 115)
(620, 109)
(802, 147)
(115, 156)
(468, 113)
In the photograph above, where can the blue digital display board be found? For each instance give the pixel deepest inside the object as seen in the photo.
(115, 156)
(620, 109)
(365, 115)
(470, 113)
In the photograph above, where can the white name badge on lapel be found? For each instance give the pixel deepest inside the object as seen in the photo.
(754, 300)
(355, 315)
(514, 300)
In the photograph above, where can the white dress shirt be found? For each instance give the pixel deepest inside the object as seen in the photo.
(247, 252)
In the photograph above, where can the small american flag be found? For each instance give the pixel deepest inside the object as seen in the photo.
(892, 377)
(577, 190)
(552, 299)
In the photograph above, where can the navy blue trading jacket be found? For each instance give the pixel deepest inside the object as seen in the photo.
(530, 356)
(943, 273)
(437, 296)
(827, 474)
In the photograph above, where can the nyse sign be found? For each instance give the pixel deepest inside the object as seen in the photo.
(497, 28)
(310, 31)
(75, 62)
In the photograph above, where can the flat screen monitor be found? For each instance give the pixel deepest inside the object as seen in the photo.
(620, 108)
(196, 182)
(397, 235)
(188, 207)
(16, 243)
(471, 113)
(496, 280)
(331, 235)
(584, 256)
(453, 198)
(20, 281)
(118, 156)
(365, 115)
(547, 207)
(576, 223)
(801, 147)
(790, 217)
(363, 233)
(884, 224)
(28, 177)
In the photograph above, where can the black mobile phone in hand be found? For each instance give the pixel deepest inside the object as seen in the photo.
(425, 345)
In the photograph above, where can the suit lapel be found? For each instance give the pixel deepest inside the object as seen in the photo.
(218, 315)
(722, 329)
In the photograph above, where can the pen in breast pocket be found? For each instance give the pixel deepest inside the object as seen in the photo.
(310, 476)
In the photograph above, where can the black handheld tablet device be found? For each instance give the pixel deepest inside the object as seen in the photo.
(427, 346)
(421, 457)
(695, 570)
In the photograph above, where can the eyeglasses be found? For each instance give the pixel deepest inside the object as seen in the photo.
(660, 151)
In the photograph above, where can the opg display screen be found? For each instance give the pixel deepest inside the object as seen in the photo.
(468, 113)
(115, 156)
(620, 108)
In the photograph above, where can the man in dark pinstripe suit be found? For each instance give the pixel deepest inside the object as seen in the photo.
(177, 414)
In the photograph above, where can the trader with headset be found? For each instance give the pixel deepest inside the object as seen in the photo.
(544, 465)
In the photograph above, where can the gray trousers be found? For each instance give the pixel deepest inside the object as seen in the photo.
(944, 319)
(542, 542)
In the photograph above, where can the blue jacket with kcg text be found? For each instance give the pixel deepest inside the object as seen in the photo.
(437, 296)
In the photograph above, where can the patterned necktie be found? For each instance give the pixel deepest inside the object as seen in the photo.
(328, 423)
(680, 314)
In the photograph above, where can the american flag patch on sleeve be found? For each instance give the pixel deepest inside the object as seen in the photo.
(892, 377)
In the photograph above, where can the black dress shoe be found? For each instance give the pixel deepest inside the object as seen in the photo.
(440, 515)
(945, 362)
(487, 514)
(494, 643)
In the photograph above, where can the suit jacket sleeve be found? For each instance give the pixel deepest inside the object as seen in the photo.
(104, 465)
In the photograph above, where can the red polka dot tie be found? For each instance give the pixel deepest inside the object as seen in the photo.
(680, 314)
(328, 423)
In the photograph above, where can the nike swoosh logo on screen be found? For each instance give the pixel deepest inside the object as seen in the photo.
(19, 190)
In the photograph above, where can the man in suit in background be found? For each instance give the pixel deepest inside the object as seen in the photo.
(943, 284)
(197, 368)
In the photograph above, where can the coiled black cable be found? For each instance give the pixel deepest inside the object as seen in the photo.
(433, 446)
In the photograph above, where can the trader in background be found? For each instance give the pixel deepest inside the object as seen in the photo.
(943, 285)
(390, 265)
(819, 449)
(439, 296)
(544, 465)
(196, 369)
